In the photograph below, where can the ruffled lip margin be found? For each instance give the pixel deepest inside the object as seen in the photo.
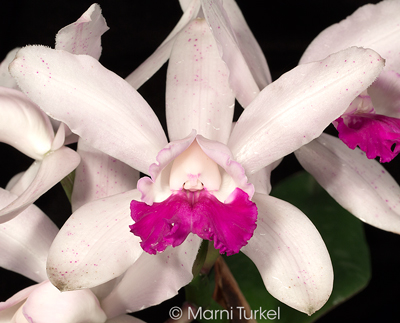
(168, 223)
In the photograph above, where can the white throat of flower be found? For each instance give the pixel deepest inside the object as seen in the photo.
(193, 170)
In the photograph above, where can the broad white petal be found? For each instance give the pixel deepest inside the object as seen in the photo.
(8, 313)
(198, 94)
(101, 291)
(290, 254)
(240, 77)
(6, 79)
(234, 175)
(95, 245)
(17, 298)
(262, 179)
(153, 279)
(20, 182)
(25, 240)
(84, 35)
(95, 103)
(385, 94)
(23, 125)
(297, 107)
(13, 183)
(162, 53)
(99, 175)
(52, 169)
(371, 26)
(46, 303)
(186, 3)
(361, 185)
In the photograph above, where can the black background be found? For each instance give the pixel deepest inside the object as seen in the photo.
(283, 30)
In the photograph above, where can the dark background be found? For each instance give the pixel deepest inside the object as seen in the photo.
(283, 30)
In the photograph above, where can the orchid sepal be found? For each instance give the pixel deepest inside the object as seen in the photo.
(304, 102)
(360, 185)
(52, 169)
(113, 108)
(290, 255)
(74, 261)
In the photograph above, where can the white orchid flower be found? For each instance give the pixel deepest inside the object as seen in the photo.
(25, 242)
(372, 120)
(24, 245)
(210, 162)
(27, 128)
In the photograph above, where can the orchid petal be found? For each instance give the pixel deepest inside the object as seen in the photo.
(235, 175)
(94, 102)
(99, 175)
(163, 224)
(7, 314)
(248, 45)
(125, 319)
(20, 184)
(23, 125)
(25, 240)
(290, 255)
(13, 183)
(46, 303)
(240, 77)
(95, 244)
(157, 188)
(262, 179)
(185, 4)
(17, 298)
(153, 279)
(375, 134)
(11, 310)
(230, 224)
(372, 26)
(53, 168)
(6, 79)
(102, 290)
(59, 138)
(150, 66)
(84, 35)
(19, 316)
(385, 94)
(70, 137)
(302, 102)
(162, 53)
(198, 95)
(362, 186)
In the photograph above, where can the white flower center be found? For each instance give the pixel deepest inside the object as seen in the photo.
(193, 170)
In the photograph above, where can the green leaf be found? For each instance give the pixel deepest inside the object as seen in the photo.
(200, 259)
(68, 184)
(199, 292)
(343, 235)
